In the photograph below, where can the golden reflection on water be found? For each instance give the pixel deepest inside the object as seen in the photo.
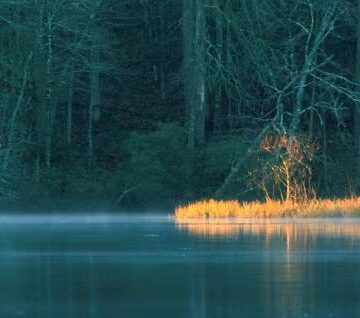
(291, 231)
(287, 287)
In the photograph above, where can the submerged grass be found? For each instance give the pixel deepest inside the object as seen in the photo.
(216, 209)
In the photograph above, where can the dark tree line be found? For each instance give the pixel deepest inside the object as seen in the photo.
(144, 103)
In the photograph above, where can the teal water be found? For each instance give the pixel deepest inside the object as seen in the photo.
(128, 267)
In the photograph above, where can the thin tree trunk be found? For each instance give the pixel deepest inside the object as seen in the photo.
(194, 70)
(324, 158)
(229, 66)
(69, 108)
(162, 62)
(220, 50)
(357, 105)
(49, 88)
(95, 101)
(18, 105)
(288, 180)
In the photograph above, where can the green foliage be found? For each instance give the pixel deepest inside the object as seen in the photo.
(161, 169)
(335, 166)
(215, 161)
(158, 166)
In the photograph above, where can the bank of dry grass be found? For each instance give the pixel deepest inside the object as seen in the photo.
(216, 209)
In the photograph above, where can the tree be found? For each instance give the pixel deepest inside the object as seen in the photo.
(194, 33)
(294, 70)
(357, 104)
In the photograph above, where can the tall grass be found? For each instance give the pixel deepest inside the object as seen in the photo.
(216, 209)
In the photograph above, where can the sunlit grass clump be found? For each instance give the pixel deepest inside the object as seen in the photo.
(216, 209)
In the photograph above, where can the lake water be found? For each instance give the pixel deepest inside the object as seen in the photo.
(149, 266)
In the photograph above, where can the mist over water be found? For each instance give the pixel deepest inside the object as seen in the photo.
(136, 266)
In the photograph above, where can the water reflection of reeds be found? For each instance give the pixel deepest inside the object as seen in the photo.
(291, 231)
(292, 273)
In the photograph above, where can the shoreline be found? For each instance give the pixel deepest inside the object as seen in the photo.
(270, 220)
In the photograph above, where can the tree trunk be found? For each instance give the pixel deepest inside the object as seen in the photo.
(14, 114)
(46, 37)
(230, 120)
(95, 100)
(69, 107)
(194, 70)
(357, 105)
(220, 51)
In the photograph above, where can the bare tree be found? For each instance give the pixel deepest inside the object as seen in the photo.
(284, 44)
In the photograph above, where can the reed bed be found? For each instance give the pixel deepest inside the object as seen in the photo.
(223, 209)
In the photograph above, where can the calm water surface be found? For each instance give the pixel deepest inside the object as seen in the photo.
(127, 267)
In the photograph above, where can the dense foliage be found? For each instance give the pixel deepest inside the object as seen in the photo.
(142, 103)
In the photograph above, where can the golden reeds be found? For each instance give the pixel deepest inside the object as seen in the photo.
(217, 209)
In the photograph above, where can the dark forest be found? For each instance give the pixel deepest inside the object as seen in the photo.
(148, 103)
